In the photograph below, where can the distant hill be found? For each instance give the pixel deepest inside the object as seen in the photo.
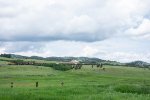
(138, 64)
(85, 60)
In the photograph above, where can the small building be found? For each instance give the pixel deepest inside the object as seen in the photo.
(75, 62)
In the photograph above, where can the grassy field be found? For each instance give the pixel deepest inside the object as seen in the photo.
(115, 83)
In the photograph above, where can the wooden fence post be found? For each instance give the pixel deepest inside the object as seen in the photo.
(62, 83)
(37, 84)
(11, 84)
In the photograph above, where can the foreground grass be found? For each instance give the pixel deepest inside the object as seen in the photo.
(116, 83)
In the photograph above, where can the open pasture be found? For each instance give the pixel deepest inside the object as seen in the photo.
(115, 83)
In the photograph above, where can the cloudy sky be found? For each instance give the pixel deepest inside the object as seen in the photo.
(108, 29)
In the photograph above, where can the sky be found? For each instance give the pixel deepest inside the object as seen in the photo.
(116, 30)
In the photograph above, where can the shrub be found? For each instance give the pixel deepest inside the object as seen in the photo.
(62, 67)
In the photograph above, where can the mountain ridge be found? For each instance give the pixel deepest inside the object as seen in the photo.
(91, 60)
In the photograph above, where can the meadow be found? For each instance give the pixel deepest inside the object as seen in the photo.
(87, 83)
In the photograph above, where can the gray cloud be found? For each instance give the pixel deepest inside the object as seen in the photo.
(13, 47)
(76, 28)
(109, 49)
(50, 20)
(70, 37)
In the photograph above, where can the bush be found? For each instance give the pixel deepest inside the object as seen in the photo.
(62, 67)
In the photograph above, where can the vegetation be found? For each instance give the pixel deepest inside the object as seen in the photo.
(87, 83)
(138, 89)
(83, 60)
(6, 55)
(62, 67)
(139, 64)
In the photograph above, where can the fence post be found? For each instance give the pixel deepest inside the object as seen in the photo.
(62, 83)
(11, 84)
(37, 84)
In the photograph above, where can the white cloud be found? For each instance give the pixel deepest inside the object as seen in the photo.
(39, 26)
(2, 50)
(126, 56)
(48, 20)
(89, 51)
(123, 50)
(142, 31)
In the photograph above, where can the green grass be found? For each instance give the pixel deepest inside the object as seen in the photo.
(116, 83)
